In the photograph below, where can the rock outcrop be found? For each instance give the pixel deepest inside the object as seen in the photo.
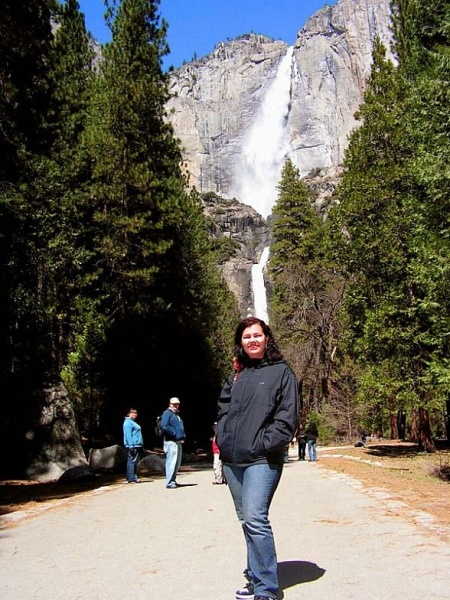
(250, 232)
(332, 61)
(217, 99)
(54, 443)
(214, 101)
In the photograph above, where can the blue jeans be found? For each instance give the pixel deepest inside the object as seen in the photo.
(132, 460)
(312, 450)
(173, 452)
(252, 489)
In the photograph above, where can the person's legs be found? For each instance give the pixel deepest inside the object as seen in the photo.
(314, 451)
(252, 489)
(171, 452)
(234, 478)
(310, 450)
(179, 457)
(132, 458)
(217, 469)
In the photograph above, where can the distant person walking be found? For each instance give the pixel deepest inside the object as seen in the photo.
(133, 442)
(257, 418)
(301, 441)
(174, 436)
(312, 433)
(217, 463)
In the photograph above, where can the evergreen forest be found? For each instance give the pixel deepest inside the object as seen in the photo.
(361, 289)
(110, 284)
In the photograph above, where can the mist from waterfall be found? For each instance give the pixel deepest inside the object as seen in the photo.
(259, 288)
(265, 145)
(258, 171)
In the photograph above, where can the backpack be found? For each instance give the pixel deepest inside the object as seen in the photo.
(158, 429)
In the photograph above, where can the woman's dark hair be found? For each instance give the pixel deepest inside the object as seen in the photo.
(272, 352)
(312, 428)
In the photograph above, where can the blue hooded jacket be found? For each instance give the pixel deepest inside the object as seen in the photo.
(132, 434)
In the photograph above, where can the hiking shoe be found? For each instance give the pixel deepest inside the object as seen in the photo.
(245, 592)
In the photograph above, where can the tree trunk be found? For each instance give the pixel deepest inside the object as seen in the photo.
(393, 420)
(401, 424)
(421, 430)
(447, 421)
(54, 443)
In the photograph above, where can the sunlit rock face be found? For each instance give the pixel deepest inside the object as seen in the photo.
(215, 100)
(218, 98)
(332, 60)
(250, 231)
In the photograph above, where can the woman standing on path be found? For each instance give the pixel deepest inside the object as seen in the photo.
(257, 418)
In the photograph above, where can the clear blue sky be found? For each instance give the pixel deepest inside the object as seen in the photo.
(196, 26)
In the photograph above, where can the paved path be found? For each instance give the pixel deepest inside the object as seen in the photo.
(335, 541)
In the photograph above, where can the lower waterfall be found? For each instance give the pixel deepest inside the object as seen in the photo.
(259, 288)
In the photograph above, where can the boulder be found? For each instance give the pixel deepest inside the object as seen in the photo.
(77, 474)
(53, 441)
(107, 460)
(151, 464)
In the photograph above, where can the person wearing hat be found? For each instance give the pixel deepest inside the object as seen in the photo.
(174, 436)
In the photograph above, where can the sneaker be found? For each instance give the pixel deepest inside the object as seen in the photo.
(263, 598)
(172, 486)
(245, 592)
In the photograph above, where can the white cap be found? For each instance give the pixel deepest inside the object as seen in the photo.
(174, 401)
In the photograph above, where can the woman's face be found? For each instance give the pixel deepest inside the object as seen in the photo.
(254, 341)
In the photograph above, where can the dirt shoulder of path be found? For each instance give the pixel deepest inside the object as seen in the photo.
(409, 476)
(420, 480)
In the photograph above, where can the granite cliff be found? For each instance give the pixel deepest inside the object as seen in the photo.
(216, 98)
(218, 102)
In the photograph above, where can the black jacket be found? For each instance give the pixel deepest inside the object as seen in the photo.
(257, 414)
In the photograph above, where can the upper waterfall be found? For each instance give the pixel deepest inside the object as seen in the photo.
(265, 145)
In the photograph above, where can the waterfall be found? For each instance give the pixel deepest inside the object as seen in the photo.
(259, 289)
(264, 149)
(265, 145)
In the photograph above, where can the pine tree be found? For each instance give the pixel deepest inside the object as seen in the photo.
(157, 288)
(25, 49)
(377, 217)
(305, 297)
(424, 49)
(61, 186)
(136, 161)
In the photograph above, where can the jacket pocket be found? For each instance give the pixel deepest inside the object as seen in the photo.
(257, 447)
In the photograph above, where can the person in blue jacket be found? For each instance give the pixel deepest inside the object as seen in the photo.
(257, 418)
(174, 436)
(133, 442)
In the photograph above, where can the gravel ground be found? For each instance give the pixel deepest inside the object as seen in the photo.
(336, 540)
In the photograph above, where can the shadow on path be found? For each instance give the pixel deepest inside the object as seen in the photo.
(182, 485)
(293, 572)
